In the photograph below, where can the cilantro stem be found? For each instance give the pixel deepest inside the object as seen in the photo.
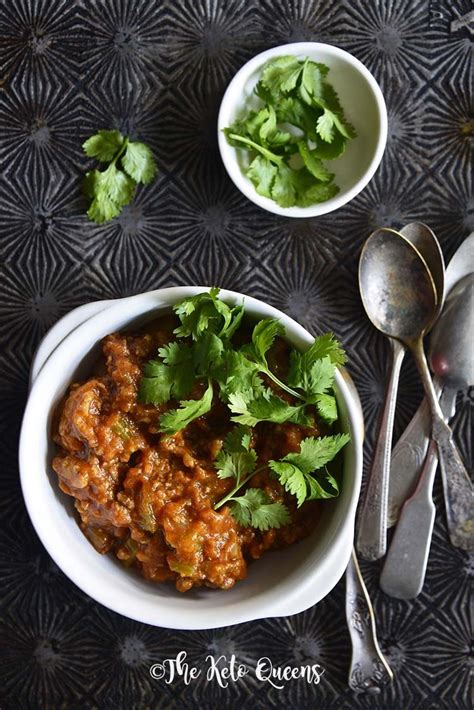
(260, 149)
(282, 384)
(236, 488)
(121, 150)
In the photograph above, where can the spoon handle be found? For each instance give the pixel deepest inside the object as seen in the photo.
(372, 524)
(404, 569)
(410, 450)
(369, 669)
(458, 489)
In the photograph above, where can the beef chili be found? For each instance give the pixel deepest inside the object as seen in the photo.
(160, 496)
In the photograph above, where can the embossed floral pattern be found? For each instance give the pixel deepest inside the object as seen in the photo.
(156, 70)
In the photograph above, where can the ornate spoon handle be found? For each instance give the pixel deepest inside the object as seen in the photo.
(457, 488)
(369, 669)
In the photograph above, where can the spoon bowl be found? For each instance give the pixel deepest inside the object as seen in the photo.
(450, 352)
(397, 289)
(424, 239)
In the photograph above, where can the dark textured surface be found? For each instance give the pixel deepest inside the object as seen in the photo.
(157, 70)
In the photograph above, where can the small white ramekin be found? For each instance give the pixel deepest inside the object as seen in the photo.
(363, 105)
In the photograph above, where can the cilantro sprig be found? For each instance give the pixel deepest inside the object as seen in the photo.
(296, 471)
(254, 508)
(111, 189)
(303, 474)
(300, 124)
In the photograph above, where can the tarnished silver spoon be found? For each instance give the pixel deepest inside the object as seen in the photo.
(451, 358)
(400, 298)
(372, 541)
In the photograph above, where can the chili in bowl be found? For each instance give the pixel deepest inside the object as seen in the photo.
(213, 451)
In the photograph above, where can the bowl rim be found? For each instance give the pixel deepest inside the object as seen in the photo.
(301, 597)
(227, 152)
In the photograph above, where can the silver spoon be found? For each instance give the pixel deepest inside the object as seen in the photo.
(400, 298)
(372, 540)
(410, 450)
(451, 357)
(369, 669)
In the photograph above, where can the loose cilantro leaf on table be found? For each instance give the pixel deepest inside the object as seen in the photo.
(300, 124)
(111, 189)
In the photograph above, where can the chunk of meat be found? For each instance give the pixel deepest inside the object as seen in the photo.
(123, 369)
(80, 416)
(94, 486)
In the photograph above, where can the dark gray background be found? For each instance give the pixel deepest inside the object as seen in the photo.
(157, 71)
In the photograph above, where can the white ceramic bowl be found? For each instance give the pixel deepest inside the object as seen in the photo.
(281, 583)
(363, 105)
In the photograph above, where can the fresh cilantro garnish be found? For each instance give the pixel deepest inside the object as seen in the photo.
(300, 124)
(255, 509)
(235, 464)
(111, 189)
(294, 469)
(302, 474)
(324, 345)
(314, 370)
(238, 439)
(188, 410)
(206, 312)
(327, 407)
(263, 337)
(249, 408)
(237, 373)
(209, 356)
(171, 378)
(207, 353)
